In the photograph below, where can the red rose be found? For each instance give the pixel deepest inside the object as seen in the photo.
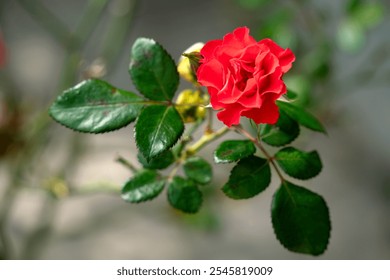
(244, 77)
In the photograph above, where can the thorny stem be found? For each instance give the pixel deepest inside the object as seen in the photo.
(258, 144)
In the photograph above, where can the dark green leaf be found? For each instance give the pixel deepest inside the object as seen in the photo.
(301, 116)
(144, 185)
(282, 133)
(157, 129)
(299, 164)
(197, 169)
(184, 195)
(248, 178)
(291, 95)
(95, 106)
(161, 161)
(233, 150)
(300, 219)
(152, 70)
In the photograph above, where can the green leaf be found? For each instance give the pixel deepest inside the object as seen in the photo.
(248, 178)
(144, 185)
(95, 106)
(157, 129)
(299, 164)
(291, 95)
(184, 195)
(161, 161)
(282, 133)
(153, 70)
(301, 116)
(300, 219)
(233, 150)
(302, 86)
(198, 169)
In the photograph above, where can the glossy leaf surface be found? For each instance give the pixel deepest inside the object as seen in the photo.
(248, 178)
(144, 185)
(282, 133)
(233, 150)
(303, 117)
(184, 195)
(157, 129)
(198, 169)
(95, 106)
(300, 219)
(299, 164)
(161, 161)
(153, 70)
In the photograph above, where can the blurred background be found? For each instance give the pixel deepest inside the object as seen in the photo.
(59, 190)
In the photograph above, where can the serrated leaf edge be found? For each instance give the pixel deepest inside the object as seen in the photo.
(330, 223)
(296, 177)
(169, 147)
(283, 145)
(172, 60)
(186, 212)
(217, 161)
(245, 198)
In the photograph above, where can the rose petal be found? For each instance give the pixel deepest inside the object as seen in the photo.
(271, 82)
(267, 113)
(250, 98)
(234, 44)
(208, 50)
(241, 35)
(231, 115)
(211, 74)
(286, 59)
(266, 63)
(286, 56)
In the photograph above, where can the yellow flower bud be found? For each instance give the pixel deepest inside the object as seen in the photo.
(191, 105)
(189, 61)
